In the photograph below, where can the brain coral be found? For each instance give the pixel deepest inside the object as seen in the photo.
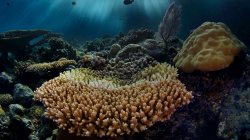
(210, 47)
(86, 105)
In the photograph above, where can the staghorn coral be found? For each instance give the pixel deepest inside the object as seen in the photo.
(43, 67)
(210, 47)
(85, 104)
(5, 99)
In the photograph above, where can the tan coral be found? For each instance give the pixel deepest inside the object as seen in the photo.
(210, 47)
(2, 112)
(86, 57)
(42, 67)
(86, 105)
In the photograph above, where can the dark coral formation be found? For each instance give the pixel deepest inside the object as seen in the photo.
(134, 36)
(16, 42)
(4, 125)
(128, 62)
(15, 45)
(59, 49)
(46, 38)
(125, 68)
(95, 61)
(115, 48)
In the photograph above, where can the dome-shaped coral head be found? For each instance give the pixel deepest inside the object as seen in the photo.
(74, 3)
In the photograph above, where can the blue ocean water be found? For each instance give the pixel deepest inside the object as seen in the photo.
(92, 18)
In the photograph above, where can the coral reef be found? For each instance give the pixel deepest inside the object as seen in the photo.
(46, 38)
(59, 49)
(128, 62)
(4, 125)
(115, 48)
(210, 47)
(47, 127)
(95, 62)
(159, 53)
(5, 77)
(43, 67)
(234, 116)
(90, 46)
(23, 95)
(134, 36)
(106, 35)
(7, 80)
(21, 66)
(35, 114)
(126, 66)
(5, 99)
(24, 128)
(10, 39)
(85, 104)
(129, 49)
(95, 45)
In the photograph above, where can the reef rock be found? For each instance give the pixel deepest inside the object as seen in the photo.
(23, 95)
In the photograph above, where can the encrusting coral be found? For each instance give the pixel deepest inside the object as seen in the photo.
(42, 67)
(136, 36)
(36, 112)
(21, 66)
(5, 99)
(4, 125)
(210, 47)
(86, 105)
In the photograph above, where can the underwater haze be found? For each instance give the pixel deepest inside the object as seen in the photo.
(92, 18)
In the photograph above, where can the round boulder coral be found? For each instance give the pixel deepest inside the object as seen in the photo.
(210, 47)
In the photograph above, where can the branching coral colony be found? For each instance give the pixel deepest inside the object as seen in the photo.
(85, 104)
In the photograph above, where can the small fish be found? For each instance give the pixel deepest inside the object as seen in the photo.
(127, 2)
(74, 3)
(120, 19)
(7, 3)
(77, 21)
